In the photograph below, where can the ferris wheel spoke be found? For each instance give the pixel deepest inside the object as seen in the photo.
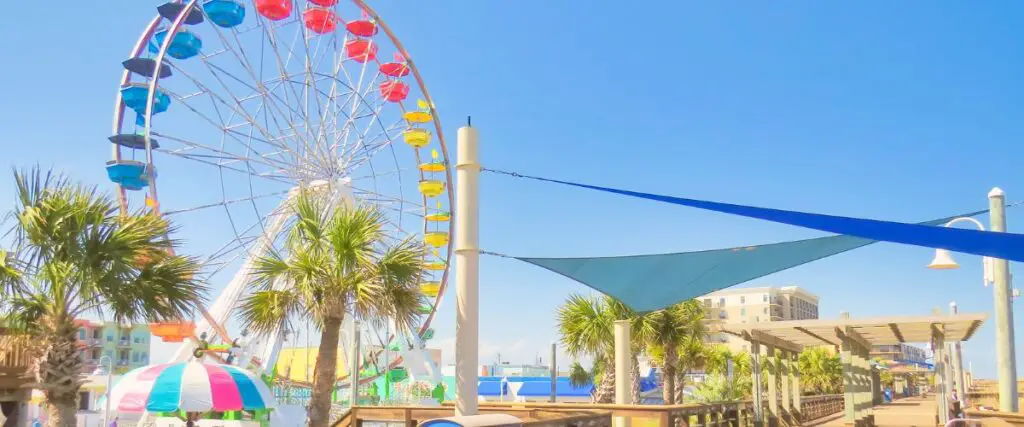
(234, 134)
(237, 108)
(267, 160)
(227, 202)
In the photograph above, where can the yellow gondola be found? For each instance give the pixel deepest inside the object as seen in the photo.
(416, 137)
(430, 289)
(418, 116)
(436, 238)
(439, 217)
(432, 167)
(434, 266)
(431, 187)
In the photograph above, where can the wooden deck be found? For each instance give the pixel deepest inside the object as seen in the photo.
(910, 412)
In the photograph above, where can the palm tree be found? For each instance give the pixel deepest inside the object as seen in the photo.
(76, 255)
(585, 327)
(676, 337)
(336, 263)
(821, 371)
(579, 377)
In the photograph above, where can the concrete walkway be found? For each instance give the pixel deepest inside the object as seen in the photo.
(910, 412)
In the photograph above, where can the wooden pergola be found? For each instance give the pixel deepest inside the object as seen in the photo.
(853, 338)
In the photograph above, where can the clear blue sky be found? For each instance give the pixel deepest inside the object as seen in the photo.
(902, 111)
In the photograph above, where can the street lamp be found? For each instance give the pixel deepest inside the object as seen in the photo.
(106, 393)
(996, 272)
(944, 259)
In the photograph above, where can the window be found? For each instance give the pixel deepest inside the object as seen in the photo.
(765, 298)
(723, 315)
(97, 334)
(81, 334)
(743, 299)
(83, 401)
(743, 311)
(707, 302)
(110, 338)
(757, 318)
(721, 302)
(766, 310)
(135, 357)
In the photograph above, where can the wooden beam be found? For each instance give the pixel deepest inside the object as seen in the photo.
(849, 333)
(770, 340)
(896, 332)
(816, 336)
(971, 330)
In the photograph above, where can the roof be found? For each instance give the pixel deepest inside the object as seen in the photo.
(492, 388)
(785, 290)
(562, 389)
(796, 334)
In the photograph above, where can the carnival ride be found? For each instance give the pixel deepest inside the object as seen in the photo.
(242, 103)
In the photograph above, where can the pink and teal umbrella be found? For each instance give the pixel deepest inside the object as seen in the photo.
(190, 387)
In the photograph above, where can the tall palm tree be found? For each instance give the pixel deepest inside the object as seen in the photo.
(676, 336)
(76, 255)
(585, 327)
(336, 264)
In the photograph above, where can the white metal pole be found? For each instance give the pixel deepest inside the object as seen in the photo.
(110, 380)
(623, 359)
(467, 271)
(554, 372)
(1005, 359)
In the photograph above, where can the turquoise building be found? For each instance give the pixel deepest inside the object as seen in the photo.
(127, 345)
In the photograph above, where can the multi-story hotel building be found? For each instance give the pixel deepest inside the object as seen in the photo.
(126, 345)
(753, 305)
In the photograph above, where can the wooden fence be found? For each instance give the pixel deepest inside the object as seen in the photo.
(594, 415)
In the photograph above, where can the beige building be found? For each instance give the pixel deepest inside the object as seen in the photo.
(753, 305)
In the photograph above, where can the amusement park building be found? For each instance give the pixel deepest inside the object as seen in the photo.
(127, 345)
(753, 305)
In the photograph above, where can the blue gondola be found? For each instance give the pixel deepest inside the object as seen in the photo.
(129, 174)
(135, 96)
(185, 44)
(225, 13)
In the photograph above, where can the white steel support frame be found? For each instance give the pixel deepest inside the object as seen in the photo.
(467, 271)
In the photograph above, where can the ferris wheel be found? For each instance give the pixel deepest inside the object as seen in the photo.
(232, 105)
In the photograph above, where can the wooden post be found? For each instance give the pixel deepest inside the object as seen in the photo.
(755, 370)
(787, 398)
(773, 390)
(849, 382)
(798, 409)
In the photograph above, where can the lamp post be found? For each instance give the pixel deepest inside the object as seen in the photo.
(997, 272)
(106, 393)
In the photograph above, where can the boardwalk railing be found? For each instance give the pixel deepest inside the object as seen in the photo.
(594, 415)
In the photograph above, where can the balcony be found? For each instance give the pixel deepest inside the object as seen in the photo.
(14, 361)
(124, 342)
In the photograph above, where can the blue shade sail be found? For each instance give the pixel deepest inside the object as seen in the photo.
(652, 282)
(1008, 246)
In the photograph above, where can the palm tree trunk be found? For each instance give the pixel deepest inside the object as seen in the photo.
(606, 389)
(325, 374)
(668, 389)
(58, 374)
(680, 386)
(635, 374)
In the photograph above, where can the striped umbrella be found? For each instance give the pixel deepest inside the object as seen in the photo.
(190, 387)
